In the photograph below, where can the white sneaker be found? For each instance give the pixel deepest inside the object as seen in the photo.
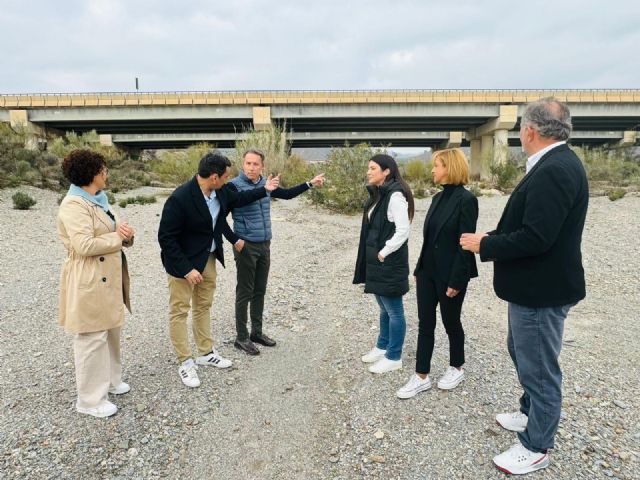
(518, 460)
(414, 386)
(213, 358)
(188, 372)
(515, 421)
(374, 355)
(385, 365)
(450, 379)
(105, 409)
(120, 389)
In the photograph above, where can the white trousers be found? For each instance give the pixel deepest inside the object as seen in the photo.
(98, 366)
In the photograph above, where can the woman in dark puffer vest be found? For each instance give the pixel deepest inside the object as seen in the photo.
(383, 257)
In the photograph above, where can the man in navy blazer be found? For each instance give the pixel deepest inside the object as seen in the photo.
(190, 236)
(538, 270)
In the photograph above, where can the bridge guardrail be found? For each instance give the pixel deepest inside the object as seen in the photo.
(279, 97)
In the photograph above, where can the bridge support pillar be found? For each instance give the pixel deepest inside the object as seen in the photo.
(486, 155)
(494, 141)
(35, 135)
(261, 118)
(501, 146)
(629, 138)
(475, 161)
(106, 140)
(454, 141)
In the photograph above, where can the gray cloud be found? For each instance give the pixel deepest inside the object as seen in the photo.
(102, 45)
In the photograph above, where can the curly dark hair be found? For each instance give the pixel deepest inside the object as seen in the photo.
(80, 166)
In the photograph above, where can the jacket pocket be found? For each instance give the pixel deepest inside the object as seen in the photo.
(98, 272)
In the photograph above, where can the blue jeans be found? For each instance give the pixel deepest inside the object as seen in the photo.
(534, 341)
(392, 326)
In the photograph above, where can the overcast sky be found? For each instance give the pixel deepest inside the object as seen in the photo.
(102, 45)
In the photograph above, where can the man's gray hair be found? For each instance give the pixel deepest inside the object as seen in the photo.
(255, 151)
(550, 117)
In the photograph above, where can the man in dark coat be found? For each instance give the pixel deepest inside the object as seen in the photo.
(190, 236)
(538, 270)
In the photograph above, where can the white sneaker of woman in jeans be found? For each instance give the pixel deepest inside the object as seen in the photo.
(415, 385)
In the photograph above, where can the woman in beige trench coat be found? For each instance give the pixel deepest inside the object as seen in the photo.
(94, 282)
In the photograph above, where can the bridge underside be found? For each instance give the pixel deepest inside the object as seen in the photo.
(484, 121)
(335, 139)
(322, 132)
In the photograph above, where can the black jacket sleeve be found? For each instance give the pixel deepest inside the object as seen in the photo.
(236, 199)
(171, 226)
(289, 193)
(549, 197)
(226, 230)
(460, 270)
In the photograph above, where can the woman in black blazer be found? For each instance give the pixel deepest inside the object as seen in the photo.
(443, 270)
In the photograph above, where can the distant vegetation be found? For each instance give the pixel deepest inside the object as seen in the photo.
(177, 166)
(292, 169)
(612, 172)
(346, 173)
(140, 200)
(23, 166)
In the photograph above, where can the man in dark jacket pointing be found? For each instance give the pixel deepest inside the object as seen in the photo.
(190, 235)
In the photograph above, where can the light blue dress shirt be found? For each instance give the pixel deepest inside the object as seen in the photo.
(213, 204)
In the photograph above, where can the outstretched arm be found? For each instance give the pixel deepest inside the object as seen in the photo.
(289, 193)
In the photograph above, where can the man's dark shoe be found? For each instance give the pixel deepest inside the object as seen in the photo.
(247, 347)
(262, 339)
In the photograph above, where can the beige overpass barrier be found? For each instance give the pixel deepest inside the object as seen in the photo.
(275, 97)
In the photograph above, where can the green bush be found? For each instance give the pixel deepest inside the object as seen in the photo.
(61, 146)
(22, 201)
(618, 167)
(13, 181)
(616, 194)
(346, 178)
(505, 175)
(140, 200)
(293, 169)
(128, 175)
(176, 167)
(416, 171)
(20, 165)
(272, 142)
(296, 171)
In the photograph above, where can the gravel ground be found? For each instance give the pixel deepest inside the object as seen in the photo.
(308, 408)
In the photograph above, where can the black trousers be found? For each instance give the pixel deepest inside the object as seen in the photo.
(252, 266)
(430, 292)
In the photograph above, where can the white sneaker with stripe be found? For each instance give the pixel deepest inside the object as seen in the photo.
(188, 372)
(214, 359)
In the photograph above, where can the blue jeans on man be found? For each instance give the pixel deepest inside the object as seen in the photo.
(392, 326)
(534, 342)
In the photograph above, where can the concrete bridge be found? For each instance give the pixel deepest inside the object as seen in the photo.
(482, 119)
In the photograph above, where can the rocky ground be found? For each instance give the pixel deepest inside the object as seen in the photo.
(308, 408)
